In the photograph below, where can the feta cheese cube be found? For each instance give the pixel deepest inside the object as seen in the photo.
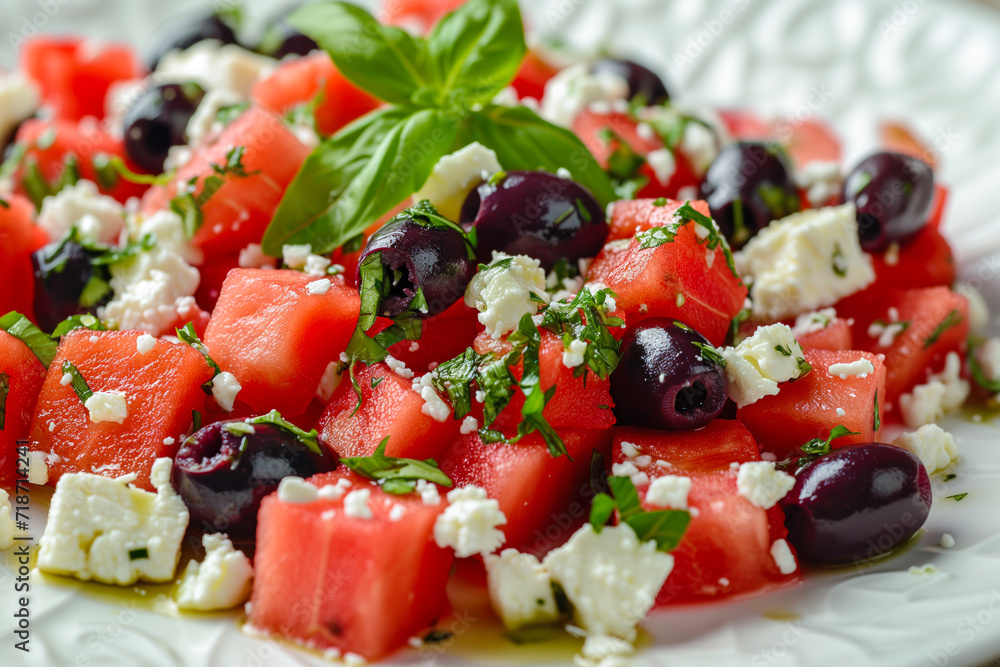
(520, 589)
(429, 494)
(934, 446)
(144, 344)
(783, 557)
(756, 366)
(630, 470)
(610, 578)
(318, 287)
(469, 523)
(502, 291)
(663, 163)
(574, 88)
(762, 484)
(297, 491)
(60, 212)
(669, 491)
(805, 261)
(107, 406)
(103, 529)
(220, 581)
(398, 367)
(225, 388)
(7, 525)
(455, 175)
(295, 256)
(818, 320)
(434, 406)
(469, 425)
(316, 265)
(859, 368)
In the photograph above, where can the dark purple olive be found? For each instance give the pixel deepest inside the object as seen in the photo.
(281, 39)
(157, 120)
(665, 380)
(747, 187)
(893, 195)
(414, 256)
(222, 480)
(62, 270)
(856, 503)
(642, 81)
(535, 213)
(186, 32)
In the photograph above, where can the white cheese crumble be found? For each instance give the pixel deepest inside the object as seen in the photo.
(103, 529)
(18, 100)
(225, 388)
(221, 581)
(859, 368)
(520, 589)
(886, 332)
(434, 406)
(428, 492)
(297, 491)
(820, 179)
(469, 523)
(107, 406)
(630, 470)
(988, 356)
(947, 541)
(66, 380)
(318, 287)
(455, 175)
(934, 446)
(663, 163)
(38, 469)
(762, 484)
(333, 491)
(105, 217)
(356, 504)
(204, 122)
(699, 146)
(469, 425)
(604, 651)
(7, 525)
(805, 261)
(144, 344)
(501, 292)
(783, 558)
(574, 88)
(669, 491)
(756, 366)
(629, 449)
(573, 355)
(253, 257)
(817, 320)
(295, 256)
(316, 265)
(610, 578)
(398, 367)
(215, 66)
(943, 392)
(329, 382)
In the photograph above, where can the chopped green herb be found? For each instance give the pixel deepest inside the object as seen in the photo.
(665, 527)
(240, 428)
(188, 335)
(958, 497)
(4, 203)
(804, 366)
(227, 114)
(709, 353)
(4, 389)
(189, 203)
(195, 420)
(837, 261)
(814, 449)
(713, 238)
(586, 319)
(115, 255)
(376, 382)
(114, 167)
(273, 418)
(876, 419)
(950, 476)
(660, 201)
(782, 350)
(396, 475)
(96, 290)
(138, 554)
(20, 327)
(952, 319)
(438, 636)
(78, 384)
(86, 321)
(978, 374)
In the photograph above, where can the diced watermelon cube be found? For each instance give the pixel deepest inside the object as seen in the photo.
(811, 406)
(25, 375)
(726, 550)
(390, 408)
(276, 338)
(923, 261)
(836, 336)
(239, 212)
(543, 497)
(162, 388)
(19, 237)
(442, 337)
(331, 580)
(535, 72)
(629, 217)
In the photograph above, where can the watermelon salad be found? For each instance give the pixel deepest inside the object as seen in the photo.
(380, 304)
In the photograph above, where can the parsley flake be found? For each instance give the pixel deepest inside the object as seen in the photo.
(952, 319)
(397, 476)
(79, 385)
(814, 449)
(958, 497)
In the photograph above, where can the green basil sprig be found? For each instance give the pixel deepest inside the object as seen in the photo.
(439, 90)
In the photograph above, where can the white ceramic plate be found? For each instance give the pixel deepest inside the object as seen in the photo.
(931, 62)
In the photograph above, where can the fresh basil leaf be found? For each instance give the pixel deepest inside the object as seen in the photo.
(80, 386)
(85, 321)
(454, 378)
(40, 344)
(4, 389)
(188, 335)
(814, 449)
(396, 475)
(601, 511)
(383, 60)
(112, 164)
(665, 527)
(979, 374)
(305, 212)
(114, 255)
(523, 140)
(626, 496)
(475, 51)
(273, 418)
(952, 319)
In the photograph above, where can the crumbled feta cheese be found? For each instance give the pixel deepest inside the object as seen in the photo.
(574, 88)
(818, 320)
(168, 227)
(699, 146)
(225, 388)
(783, 558)
(669, 491)
(520, 589)
(60, 212)
(629, 469)
(988, 356)
(891, 254)
(922, 570)
(943, 392)
(573, 356)
(145, 343)
(469, 425)
(253, 257)
(860, 368)
(329, 382)
(610, 578)
(947, 541)
(7, 525)
(501, 292)
(398, 367)
(469, 523)
(762, 484)
(821, 181)
(316, 265)
(428, 491)
(886, 332)
(629, 449)
(221, 581)
(805, 261)
(455, 175)
(215, 66)
(663, 163)
(103, 529)
(297, 491)
(434, 406)
(397, 512)
(107, 406)
(18, 100)
(295, 256)
(38, 469)
(66, 380)
(934, 446)
(756, 366)
(356, 504)
(318, 287)
(979, 311)
(333, 491)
